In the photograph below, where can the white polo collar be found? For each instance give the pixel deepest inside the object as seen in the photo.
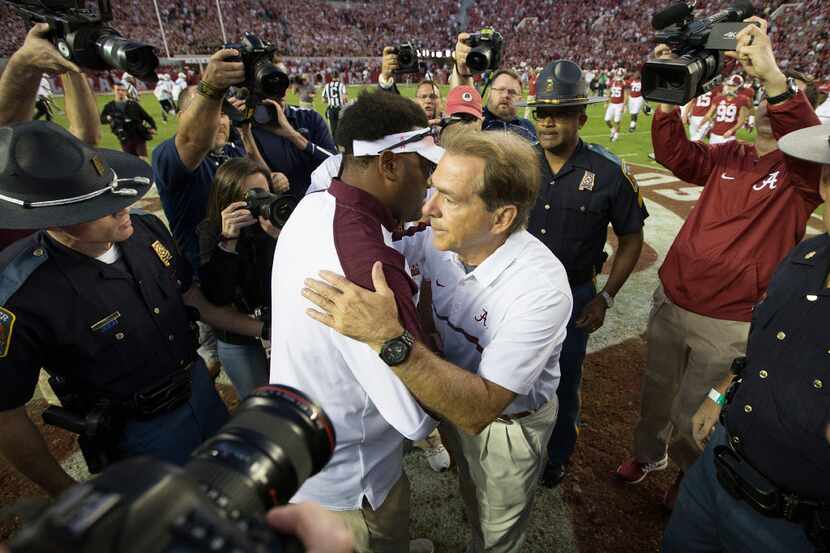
(497, 262)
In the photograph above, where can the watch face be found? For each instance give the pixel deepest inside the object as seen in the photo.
(394, 352)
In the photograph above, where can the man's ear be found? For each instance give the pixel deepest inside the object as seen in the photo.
(388, 165)
(503, 218)
(583, 118)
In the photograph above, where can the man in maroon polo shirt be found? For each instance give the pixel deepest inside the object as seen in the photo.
(753, 209)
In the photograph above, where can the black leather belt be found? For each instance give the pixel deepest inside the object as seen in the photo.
(745, 483)
(163, 397)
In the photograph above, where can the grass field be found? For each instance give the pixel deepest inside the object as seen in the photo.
(631, 147)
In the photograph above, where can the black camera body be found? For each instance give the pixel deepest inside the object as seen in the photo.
(408, 60)
(83, 37)
(411, 58)
(487, 47)
(275, 441)
(277, 208)
(263, 79)
(699, 47)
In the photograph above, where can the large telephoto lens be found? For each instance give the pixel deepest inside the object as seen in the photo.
(276, 440)
(271, 81)
(133, 57)
(281, 209)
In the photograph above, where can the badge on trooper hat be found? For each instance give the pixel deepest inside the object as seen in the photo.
(549, 85)
(6, 326)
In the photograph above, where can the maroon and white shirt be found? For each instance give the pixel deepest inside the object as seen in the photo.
(616, 91)
(727, 112)
(635, 88)
(345, 230)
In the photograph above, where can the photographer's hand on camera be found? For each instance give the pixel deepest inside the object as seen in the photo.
(461, 74)
(283, 127)
(279, 182)
(754, 52)
(20, 80)
(201, 119)
(234, 218)
(388, 67)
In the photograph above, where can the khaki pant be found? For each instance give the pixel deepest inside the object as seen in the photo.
(498, 471)
(385, 530)
(688, 354)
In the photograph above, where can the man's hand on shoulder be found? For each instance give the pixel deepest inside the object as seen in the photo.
(353, 311)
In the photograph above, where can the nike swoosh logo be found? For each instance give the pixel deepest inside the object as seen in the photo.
(437, 283)
(724, 177)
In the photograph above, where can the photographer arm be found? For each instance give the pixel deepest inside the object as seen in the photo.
(81, 109)
(200, 119)
(461, 74)
(24, 447)
(222, 317)
(20, 80)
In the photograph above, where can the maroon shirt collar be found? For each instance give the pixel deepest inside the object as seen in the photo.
(362, 201)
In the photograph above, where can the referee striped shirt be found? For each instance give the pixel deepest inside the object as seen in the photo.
(334, 94)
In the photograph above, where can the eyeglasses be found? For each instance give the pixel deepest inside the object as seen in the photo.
(511, 93)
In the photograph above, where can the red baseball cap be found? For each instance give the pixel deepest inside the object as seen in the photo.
(464, 99)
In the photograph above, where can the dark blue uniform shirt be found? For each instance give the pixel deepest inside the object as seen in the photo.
(282, 156)
(778, 418)
(113, 331)
(575, 206)
(184, 193)
(519, 125)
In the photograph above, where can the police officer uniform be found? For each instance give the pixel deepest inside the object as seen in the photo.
(571, 216)
(118, 333)
(762, 483)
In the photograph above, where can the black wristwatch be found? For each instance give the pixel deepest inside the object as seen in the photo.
(395, 351)
(792, 90)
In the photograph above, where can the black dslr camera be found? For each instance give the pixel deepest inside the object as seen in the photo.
(263, 79)
(276, 440)
(83, 37)
(487, 46)
(698, 45)
(277, 208)
(410, 57)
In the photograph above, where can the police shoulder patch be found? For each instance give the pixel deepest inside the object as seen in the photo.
(7, 319)
(596, 148)
(632, 180)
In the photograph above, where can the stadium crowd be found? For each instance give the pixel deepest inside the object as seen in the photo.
(534, 33)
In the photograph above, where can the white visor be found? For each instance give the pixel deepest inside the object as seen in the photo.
(419, 141)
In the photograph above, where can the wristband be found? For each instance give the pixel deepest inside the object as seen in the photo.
(717, 397)
(225, 238)
(210, 91)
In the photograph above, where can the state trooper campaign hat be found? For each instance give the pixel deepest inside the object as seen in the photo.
(561, 84)
(49, 178)
(810, 144)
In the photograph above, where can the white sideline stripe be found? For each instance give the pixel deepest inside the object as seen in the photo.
(606, 134)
